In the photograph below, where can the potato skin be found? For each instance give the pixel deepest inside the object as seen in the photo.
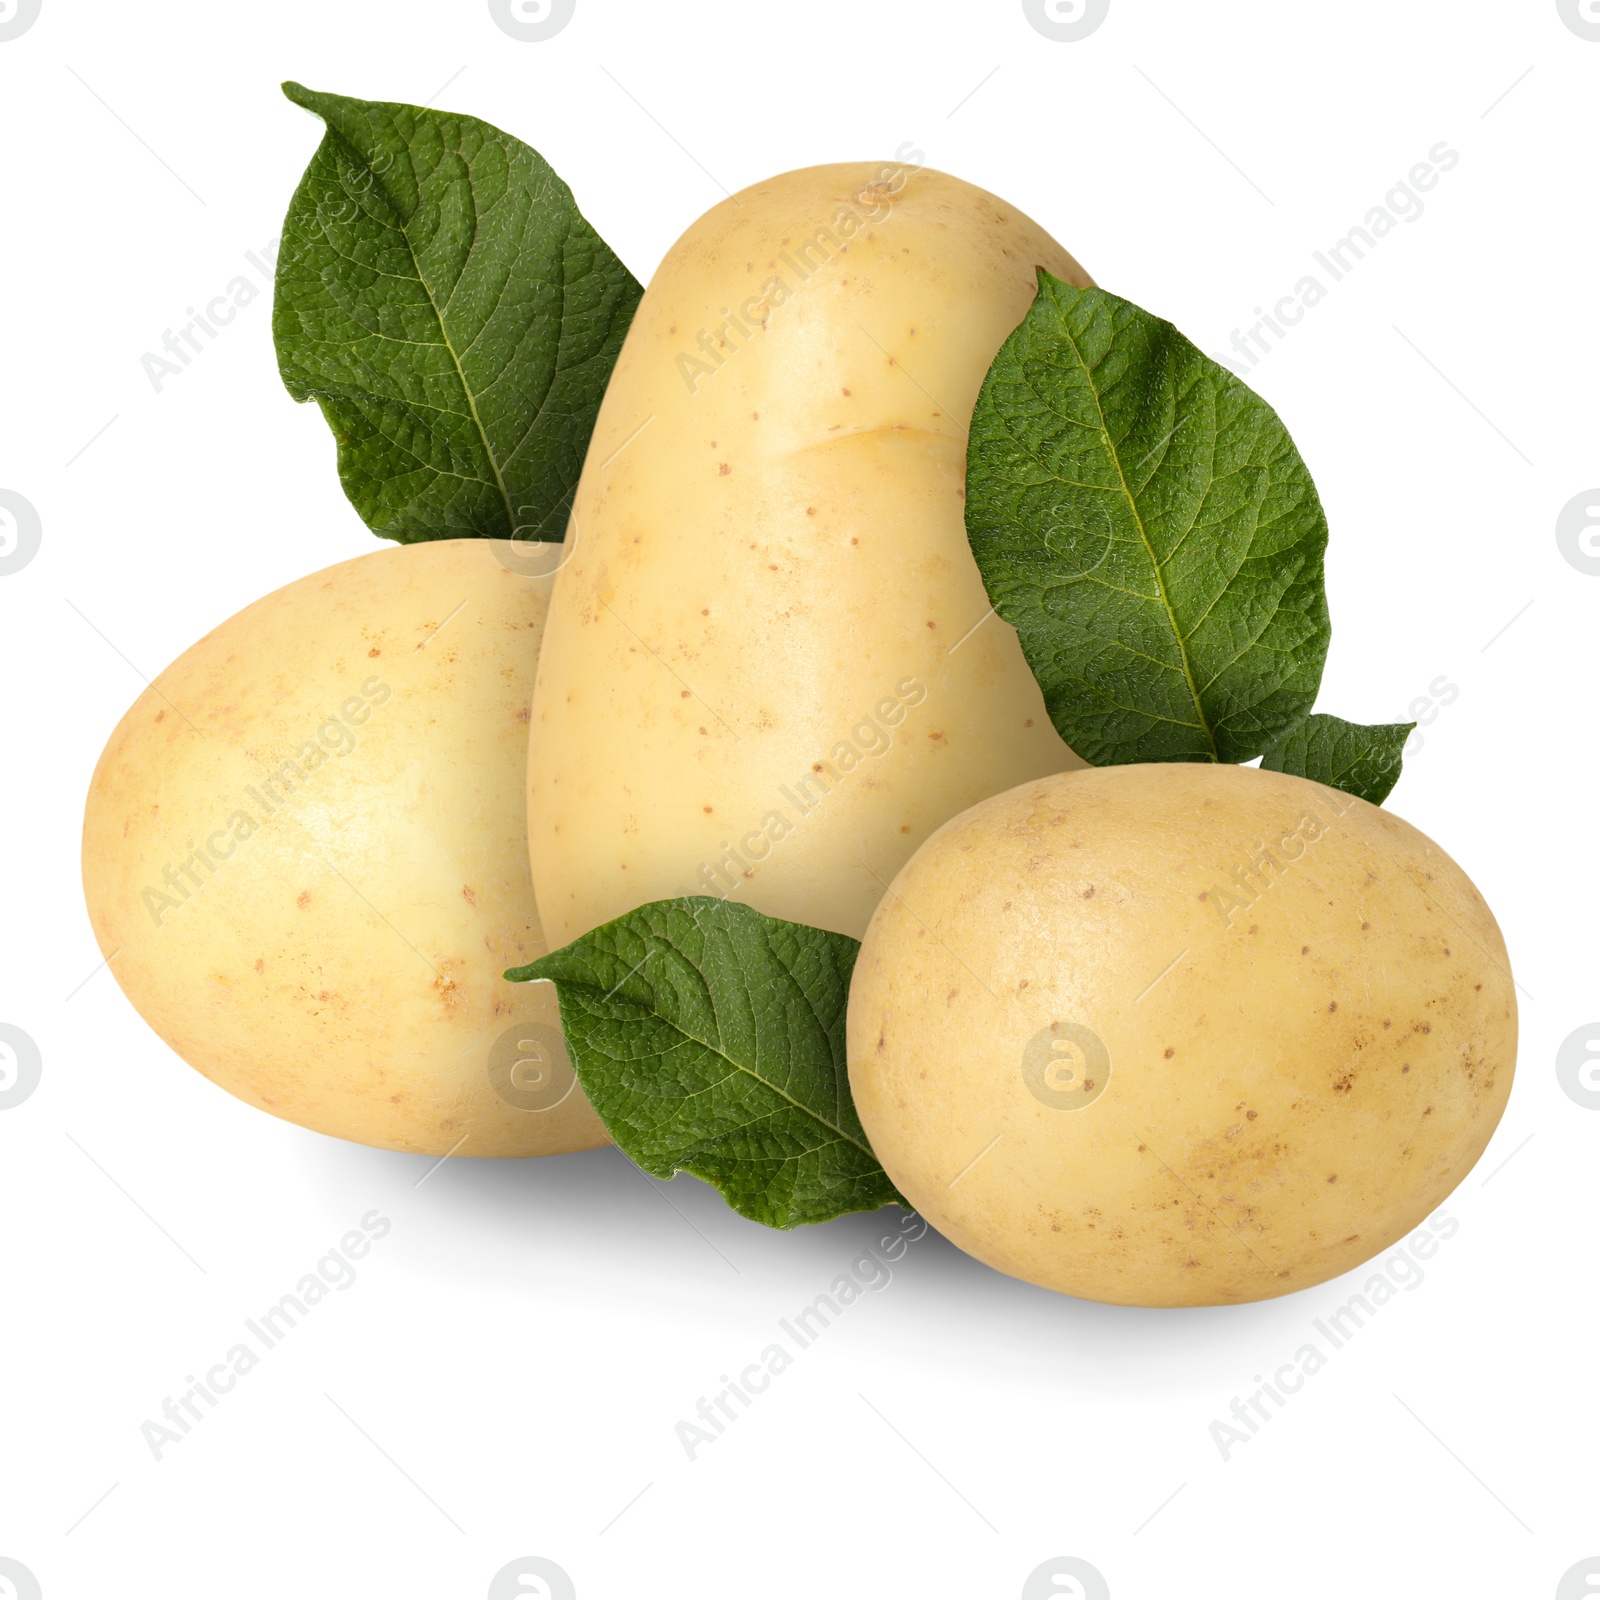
(770, 670)
(1305, 1005)
(338, 962)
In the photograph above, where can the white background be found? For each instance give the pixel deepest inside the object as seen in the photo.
(505, 1377)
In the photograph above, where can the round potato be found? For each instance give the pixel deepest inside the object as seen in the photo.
(1179, 1035)
(772, 669)
(305, 858)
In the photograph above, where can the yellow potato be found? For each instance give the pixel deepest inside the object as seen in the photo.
(771, 670)
(305, 858)
(1179, 1035)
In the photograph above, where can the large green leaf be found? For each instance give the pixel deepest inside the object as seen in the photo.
(1146, 524)
(710, 1039)
(442, 299)
(1361, 759)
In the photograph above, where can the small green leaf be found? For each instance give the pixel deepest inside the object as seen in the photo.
(1361, 759)
(442, 299)
(1146, 524)
(710, 1039)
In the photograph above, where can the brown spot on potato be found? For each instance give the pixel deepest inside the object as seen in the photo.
(261, 965)
(304, 899)
(469, 895)
(1168, 1053)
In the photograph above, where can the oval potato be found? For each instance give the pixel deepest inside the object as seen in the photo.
(1180, 1035)
(305, 858)
(771, 667)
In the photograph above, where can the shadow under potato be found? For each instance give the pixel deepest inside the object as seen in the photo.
(557, 1222)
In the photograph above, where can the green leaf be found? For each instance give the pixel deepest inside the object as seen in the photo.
(440, 297)
(1146, 524)
(1361, 759)
(710, 1039)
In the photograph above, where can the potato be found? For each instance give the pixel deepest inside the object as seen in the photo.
(1179, 1035)
(305, 858)
(771, 668)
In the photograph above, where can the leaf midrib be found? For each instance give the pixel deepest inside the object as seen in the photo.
(1144, 539)
(739, 1066)
(455, 361)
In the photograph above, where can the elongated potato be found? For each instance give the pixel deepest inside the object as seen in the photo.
(770, 669)
(305, 858)
(1180, 1035)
